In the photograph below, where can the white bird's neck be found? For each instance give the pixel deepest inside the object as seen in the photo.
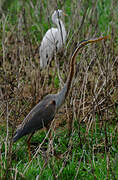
(61, 28)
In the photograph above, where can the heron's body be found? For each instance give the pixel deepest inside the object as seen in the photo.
(43, 113)
(53, 40)
(37, 118)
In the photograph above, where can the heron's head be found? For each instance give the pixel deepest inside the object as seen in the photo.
(57, 14)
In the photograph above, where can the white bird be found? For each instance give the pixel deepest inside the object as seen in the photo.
(53, 40)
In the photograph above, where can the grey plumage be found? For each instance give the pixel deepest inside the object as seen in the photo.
(40, 116)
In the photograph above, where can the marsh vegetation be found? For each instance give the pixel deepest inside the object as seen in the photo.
(84, 141)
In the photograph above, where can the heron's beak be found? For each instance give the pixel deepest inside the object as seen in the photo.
(93, 40)
(99, 39)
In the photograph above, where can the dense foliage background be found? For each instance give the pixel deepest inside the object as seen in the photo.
(84, 142)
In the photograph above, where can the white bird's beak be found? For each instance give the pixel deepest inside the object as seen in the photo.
(65, 14)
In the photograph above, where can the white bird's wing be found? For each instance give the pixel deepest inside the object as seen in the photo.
(48, 46)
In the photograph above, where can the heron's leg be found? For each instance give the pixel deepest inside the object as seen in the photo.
(29, 149)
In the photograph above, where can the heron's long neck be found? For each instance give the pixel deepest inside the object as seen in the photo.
(65, 90)
(61, 29)
(61, 96)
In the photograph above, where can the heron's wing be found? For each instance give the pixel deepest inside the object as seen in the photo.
(41, 115)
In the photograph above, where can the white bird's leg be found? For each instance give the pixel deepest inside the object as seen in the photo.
(46, 77)
(48, 71)
(58, 71)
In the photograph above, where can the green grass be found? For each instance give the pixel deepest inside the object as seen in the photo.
(90, 157)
